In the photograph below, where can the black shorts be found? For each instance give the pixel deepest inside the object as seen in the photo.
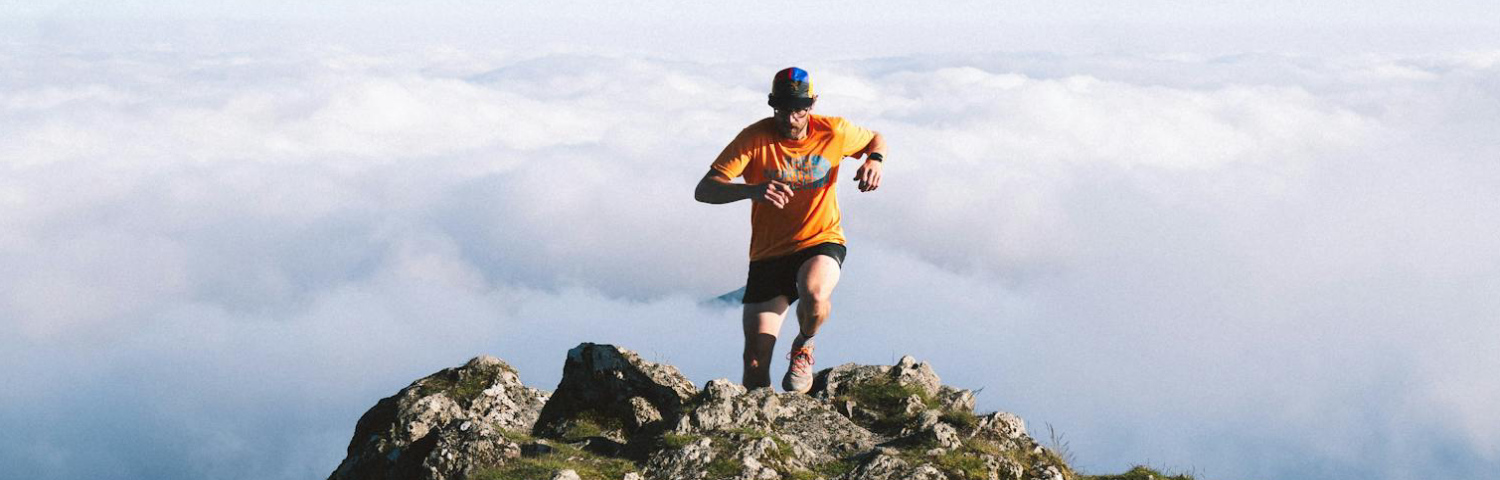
(778, 275)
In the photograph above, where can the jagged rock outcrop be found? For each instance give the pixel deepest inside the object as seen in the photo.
(616, 416)
(755, 434)
(444, 426)
(614, 398)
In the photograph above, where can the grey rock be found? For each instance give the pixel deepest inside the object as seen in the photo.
(1048, 472)
(882, 467)
(687, 463)
(751, 453)
(865, 422)
(840, 380)
(717, 408)
(927, 472)
(843, 386)
(908, 371)
(458, 452)
(928, 419)
(944, 435)
(1003, 468)
(913, 405)
(643, 413)
(888, 467)
(615, 388)
(420, 432)
(765, 432)
(1001, 425)
(955, 399)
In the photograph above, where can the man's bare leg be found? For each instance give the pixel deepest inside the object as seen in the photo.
(762, 322)
(815, 282)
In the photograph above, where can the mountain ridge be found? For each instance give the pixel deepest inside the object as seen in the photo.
(616, 416)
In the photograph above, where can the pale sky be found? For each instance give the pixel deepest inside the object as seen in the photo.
(1166, 12)
(1251, 240)
(779, 29)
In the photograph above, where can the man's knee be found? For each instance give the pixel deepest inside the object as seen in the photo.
(816, 302)
(816, 280)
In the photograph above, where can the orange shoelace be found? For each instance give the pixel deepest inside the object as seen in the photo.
(802, 360)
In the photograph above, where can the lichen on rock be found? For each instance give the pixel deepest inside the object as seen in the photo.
(611, 393)
(443, 426)
(615, 416)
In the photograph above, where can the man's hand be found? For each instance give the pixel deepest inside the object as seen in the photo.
(868, 175)
(773, 192)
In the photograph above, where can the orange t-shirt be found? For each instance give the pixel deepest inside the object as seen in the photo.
(810, 166)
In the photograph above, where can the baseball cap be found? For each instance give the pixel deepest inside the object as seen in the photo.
(791, 88)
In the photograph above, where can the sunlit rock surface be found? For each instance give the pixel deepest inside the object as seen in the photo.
(616, 416)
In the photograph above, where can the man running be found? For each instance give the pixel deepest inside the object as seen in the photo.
(790, 163)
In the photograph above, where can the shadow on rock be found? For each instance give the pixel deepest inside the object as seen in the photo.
(615, 416)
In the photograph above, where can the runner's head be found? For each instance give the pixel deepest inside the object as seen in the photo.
(792, 97)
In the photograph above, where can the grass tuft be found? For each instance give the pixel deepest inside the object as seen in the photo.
(886, 398)
(963, 464)
(963, 419)
(590, 423)
(676, 441)
(835, 468)
(725, 466)
(1140, 472)
(563, 457)
(461, 390)
(748, 433)
(800, 475)
(518, 437)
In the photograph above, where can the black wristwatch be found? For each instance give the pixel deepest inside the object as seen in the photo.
(876, 156)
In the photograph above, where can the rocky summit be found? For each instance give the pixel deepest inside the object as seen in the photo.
(615, 416)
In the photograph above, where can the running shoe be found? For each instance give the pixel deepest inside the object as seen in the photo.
(799, 375)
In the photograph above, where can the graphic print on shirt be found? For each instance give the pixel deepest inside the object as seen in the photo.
(806, 173)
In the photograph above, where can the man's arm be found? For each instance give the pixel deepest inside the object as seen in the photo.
(868, 174)
(715, 188)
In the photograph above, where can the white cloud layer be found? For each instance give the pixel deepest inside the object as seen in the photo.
(1257, 266)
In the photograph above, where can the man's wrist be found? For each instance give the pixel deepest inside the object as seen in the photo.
(876, 156)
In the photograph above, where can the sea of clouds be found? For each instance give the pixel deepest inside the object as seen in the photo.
(212, 261)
